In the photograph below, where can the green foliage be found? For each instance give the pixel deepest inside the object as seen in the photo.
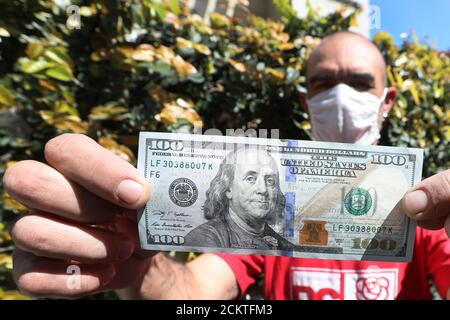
(421, 116)
(153, 66)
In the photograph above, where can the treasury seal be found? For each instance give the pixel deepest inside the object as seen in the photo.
(183, 192)
(358, 202)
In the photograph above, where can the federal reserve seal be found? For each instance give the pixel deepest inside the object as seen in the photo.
(358, 202)
(183, 192)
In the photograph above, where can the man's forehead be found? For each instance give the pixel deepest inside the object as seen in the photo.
(341, 64)
(345, 54)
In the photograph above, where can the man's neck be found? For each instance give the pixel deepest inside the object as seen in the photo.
(253, 229)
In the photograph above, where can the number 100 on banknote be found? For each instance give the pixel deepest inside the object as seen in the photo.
(276, 197)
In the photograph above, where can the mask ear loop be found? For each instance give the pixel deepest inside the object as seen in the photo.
(382, 99)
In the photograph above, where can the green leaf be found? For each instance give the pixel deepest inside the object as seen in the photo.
(285, 9)
(4, 33)
(160, 11)
(34, 49)
(108, 112)
(162, 68)
(6, 97)
(291, 75)
(60, 73)
(174, 6)
(33, 66)
(447, 133)
(57, 55)
(63, 107)
(196, 77)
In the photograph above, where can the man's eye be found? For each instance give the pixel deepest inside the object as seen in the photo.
(324, 86)
(250, 179)
(361, 86)
(270, 181)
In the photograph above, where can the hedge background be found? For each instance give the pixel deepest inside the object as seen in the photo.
(146, 65)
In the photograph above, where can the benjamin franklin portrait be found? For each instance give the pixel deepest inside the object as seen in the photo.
(242, 201)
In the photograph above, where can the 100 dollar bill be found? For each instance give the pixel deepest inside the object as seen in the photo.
(277, 197)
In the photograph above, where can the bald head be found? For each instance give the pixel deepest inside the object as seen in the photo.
(346, 57)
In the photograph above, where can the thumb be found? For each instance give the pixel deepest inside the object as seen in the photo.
(429, 202)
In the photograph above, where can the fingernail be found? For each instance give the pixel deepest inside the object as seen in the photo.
(415, 203)
(129, 191)
(125, 250)
(108, 275)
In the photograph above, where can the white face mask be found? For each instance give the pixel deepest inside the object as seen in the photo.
(343, 114)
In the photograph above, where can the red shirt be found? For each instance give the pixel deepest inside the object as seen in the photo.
(299, 278)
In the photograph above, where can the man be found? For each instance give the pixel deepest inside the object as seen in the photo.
(244, 194)
(68, 199)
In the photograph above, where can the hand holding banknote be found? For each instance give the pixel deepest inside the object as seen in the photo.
(429, 202)
(78, 189)
(82, 185)
(80, 236)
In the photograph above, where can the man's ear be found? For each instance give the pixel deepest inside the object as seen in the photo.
(303, 101)
(228, 194)
(389, 101)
